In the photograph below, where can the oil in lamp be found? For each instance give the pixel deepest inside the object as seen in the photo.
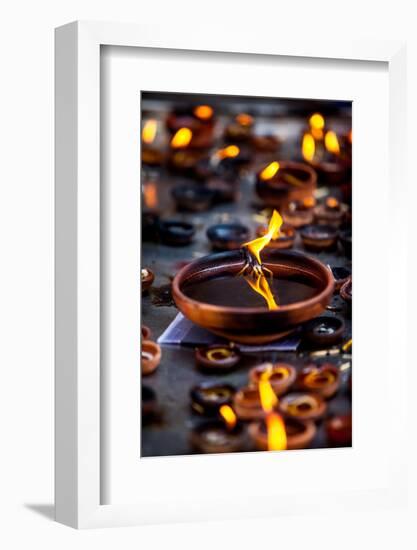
(146, 278)
(227, 236)
(192, 198)
(331, 212)
(152, 155)
(219, 436)
(300, 213)
(323, 379)
(303, 406)
(299, 434)
(217, 358)
(148, 403)
(339, 430)
(150, 356)
(240, 129)
(324, 331)
(176, 233)
(284, 240)
(208, 397)
(319, 237)
(281, 376)
(280, 183)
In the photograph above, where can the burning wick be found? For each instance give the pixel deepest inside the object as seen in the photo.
(277, 437)
(229, 416)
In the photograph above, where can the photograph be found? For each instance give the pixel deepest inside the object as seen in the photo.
(246, 274)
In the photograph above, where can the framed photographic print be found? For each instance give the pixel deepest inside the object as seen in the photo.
(217, 200)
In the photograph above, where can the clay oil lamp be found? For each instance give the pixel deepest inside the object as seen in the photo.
(240, 129)
(183, 158)
(345, 237)
(323, 379)
(283, 241)
(281, 376)
(317, 238)
(279, 183)
(147, 277)
(176, 233)
(217, 358)
(266, 143)
(145, 332)
(150, 356)
(300, 213)
(331, 212)
(303, 406)
(227, 236)
(247, 403)
(199, 119)
(341, 275)
(299, 435)
(148, 403)
(346, 292)
(227, 435)
(152, 153)
(324, 331)
(246, 299)
(339, 430)
(207, 398)
(192, 198)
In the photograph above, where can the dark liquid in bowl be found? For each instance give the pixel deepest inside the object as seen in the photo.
(234, 291)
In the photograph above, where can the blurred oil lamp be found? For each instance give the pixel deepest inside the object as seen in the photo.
(346, 291)
(145, 332)
(331, 212)
(281, 376)
(219, 436)
(279, 183)
(183, 157)
(227, 236)
(152, 153)
(284, 240)
(244, 298)
(299, 434)
(198, 119)
(240, 129)
(150, 356)
(324, 331)
(319, 237)
(224, 190)
(208, 397)
(300, 213)
(303, 406)
(176, 233)
(150, 195)
(345, 237)
(217, 359)
(341, 275)
(339, 430)
(323, 379)
(147, 277)
(247, 403)
(192, 198)
(148, 403)
(266, 143)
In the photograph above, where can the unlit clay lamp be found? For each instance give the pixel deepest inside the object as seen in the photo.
(176, 233)
(324, 331)
(217, 358)
(319, 237)
(208, 397)
(214, 436)
(300, 213)
(146, 278)
(281, 376)
(299, 434)
(192, 198)
(303, 406)
(150, 356)
(323, 379)
(227, 236)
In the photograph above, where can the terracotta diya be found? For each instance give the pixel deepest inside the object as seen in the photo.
(247, 404)
(199, 122)
(299, 434)
(240, 129)
(300, 213)
(331, 212)
(150, 356)
(280, 375)
(219, 436)
(339, 430)
(147, 277)
(323, 379)
(208, 397)
(324, 331)
(217, 358)
(303, 406)
(192, 198)
(176, 233)
(319, 237)
(227, 236)
(279, 183)
(284, 240)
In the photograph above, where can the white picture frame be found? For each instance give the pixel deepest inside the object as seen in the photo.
(78, 265)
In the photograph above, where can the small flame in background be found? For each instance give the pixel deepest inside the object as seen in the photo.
(244, 119)
(256, 246)
(228, 415)
(317, 124)
(203, 112)
(308, 147)
(332, 202)
(277, 437)
(231, 151)
(149, 131)
(331, 142)
(181, 138)
(150, 194)
(270, 171)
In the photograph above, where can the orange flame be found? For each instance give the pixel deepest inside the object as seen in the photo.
(203, 112)
(309, 202)
(244, 119)
(317, 126)
(228, 415)
(270, 171)
(231, 151)
(261, 286)
(331, 142)
(277, 437)
(269, 400)
(181, 138)
(308, 147)
(150, 194)
(149, 131)
(256, 246)
(332, 202)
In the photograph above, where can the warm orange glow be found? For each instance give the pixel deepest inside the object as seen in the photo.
(308, 147)
(331, 202)
(231, 151)
(350, 136)
(316, 121)
(228, 415)
(244, 119)
(270, 171)
(181, 138)
(316, 378)
(277, 436)
(309, 202)
(150, 194)
(256, 246)
(204, 112)
(149, 131)
(331, 142)
(261, 286)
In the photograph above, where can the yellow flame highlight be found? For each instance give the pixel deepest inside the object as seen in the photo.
(270, 171)
(261, 286)
(331, 142)
(308, 147)
(203, 112)
(181, 138)
(256, 246)
(231, 151)
(317, 121)
(228, 415)
(149, 131)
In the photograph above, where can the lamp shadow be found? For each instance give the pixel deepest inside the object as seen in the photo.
(45, 510)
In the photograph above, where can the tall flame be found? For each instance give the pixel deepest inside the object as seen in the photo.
(228, 415)
(203, 112)
(181, 138)
(317, 121)
(277, 437)
(149, 131)
(308, 147)
(261, 286)
(270, 171)
(269, 400)
(256, 246)
(331, 142)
